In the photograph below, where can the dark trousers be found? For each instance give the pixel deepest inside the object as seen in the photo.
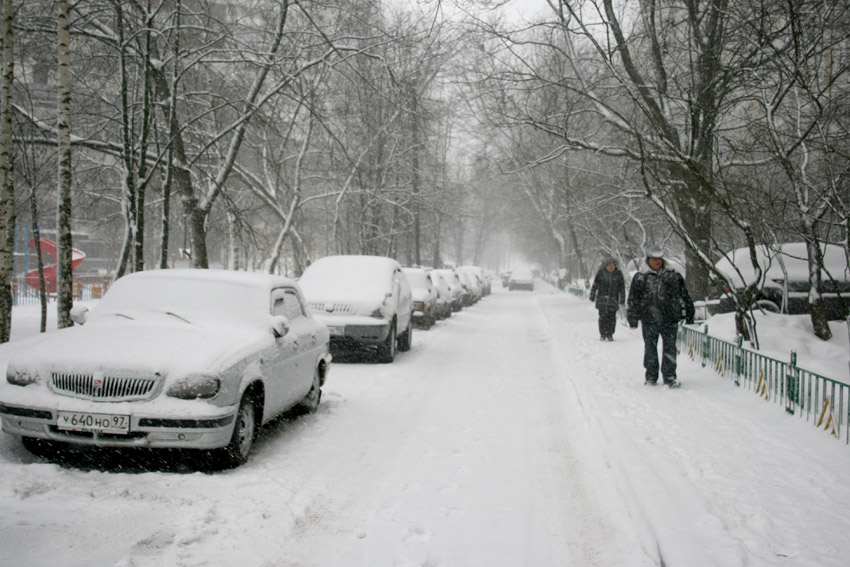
(667, 332)
(607, 322)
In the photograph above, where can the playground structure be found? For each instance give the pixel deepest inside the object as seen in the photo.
(25, 285)
(50, 279)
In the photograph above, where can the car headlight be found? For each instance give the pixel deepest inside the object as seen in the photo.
(195, 387)
(21, 378)
(379, 313)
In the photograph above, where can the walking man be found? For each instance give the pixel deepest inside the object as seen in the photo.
(659, 299)
(609, 293)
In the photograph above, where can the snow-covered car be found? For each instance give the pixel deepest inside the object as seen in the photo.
(784, 287)
(455, 287)
(471, 286)
(365, 301)
(188, 359)
(424, 296)
(482, 279)
(521, 279)
(444, 294)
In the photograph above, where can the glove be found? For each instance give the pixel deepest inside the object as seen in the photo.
(689, 320)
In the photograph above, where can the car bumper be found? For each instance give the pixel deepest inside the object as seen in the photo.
(350, 333)
(150, 431)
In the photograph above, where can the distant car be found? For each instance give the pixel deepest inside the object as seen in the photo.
(188, 359)
(444, 294)
(424, 296)
(471, 286)
(365, 301)
(455, 286)
(785, 282)
(521, 279)
(481, 278)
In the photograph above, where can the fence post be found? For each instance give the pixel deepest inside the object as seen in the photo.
(739, 360)
(792, 385)
(705, 346)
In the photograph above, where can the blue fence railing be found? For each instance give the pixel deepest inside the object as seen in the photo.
(823, 401)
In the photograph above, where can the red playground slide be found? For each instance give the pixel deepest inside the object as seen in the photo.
(50, 247)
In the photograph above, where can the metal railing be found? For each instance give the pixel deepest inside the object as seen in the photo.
(85, 288)
(823, 401)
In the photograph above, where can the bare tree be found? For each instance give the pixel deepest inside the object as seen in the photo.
(7, 169)
(64, 273)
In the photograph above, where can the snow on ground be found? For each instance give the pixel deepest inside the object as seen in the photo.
(508, 436)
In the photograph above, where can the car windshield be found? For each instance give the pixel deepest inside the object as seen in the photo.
(190, 300)
(347, 276)
(418, 278)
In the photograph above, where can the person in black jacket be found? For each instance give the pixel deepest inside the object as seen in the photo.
(659, 299)
(609, 293)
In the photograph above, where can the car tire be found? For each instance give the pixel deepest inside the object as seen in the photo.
(310, 402)
(242, 439)
(386, 352)
(405, 340)
(768, 306)
(39, 447)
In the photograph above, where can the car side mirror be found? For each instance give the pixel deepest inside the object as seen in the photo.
(79, 314)
(280, 326)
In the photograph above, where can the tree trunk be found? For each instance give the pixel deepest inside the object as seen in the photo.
(65, 289)
(7, 171)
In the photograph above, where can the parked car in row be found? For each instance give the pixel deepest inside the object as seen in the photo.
(188, 359)
(455, 287)
(479, 280)
(444, 294)
(424, 296)
(471, 287)
(365, 301)
(784, 285)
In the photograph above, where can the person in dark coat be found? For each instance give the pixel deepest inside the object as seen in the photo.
(609, 293)
(659, 299)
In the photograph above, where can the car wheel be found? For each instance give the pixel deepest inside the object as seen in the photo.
(39, 447)
(310, 403)
(405, 340)
(386, 352)
(242, 440)
(767, 305)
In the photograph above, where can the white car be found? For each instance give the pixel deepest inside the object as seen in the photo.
(521, 279)
(424, 296)
(784, 284)
(444, 294)
(365, 301)
(189, 359)
(455, 287)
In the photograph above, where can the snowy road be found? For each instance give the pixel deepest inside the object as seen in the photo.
(509, 436)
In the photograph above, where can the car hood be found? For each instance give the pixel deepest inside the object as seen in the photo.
(167, 349)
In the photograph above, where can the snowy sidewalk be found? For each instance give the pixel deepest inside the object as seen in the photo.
(721, 477)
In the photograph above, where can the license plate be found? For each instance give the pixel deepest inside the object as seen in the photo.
(94, 422)
(336, 330)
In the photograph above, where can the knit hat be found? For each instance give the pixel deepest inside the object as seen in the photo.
(654, 252)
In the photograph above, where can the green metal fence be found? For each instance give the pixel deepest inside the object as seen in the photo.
(823, 401)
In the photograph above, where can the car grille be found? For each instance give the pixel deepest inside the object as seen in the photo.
(335, 308)
(113, 388)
